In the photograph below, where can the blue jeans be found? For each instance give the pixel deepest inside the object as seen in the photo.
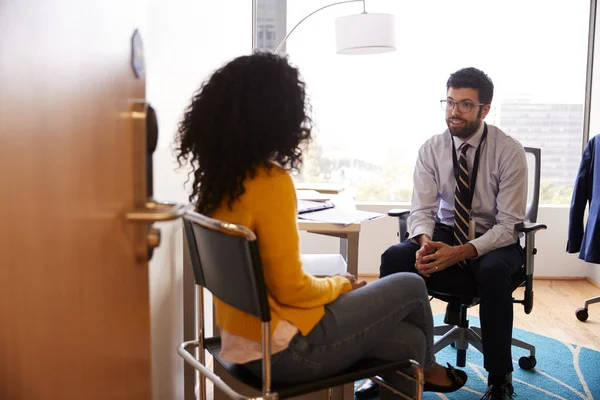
(389, 319)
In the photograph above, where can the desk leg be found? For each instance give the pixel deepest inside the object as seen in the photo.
(349, 250)
(344, 248)
(189, 320)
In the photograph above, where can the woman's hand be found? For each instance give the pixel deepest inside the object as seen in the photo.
(355, 284)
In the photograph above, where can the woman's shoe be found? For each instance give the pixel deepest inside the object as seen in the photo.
(367, 390)
(457, 377)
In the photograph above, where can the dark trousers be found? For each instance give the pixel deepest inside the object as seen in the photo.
(490, 275)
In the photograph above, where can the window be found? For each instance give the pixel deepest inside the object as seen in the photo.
(372, 113)
(270, 23)
(595, 88)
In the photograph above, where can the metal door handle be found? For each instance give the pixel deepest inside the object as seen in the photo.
(156, 212)
(153, 211)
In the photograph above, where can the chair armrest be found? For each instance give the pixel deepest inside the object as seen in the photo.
(530, 229)
(527, 227)
(402, 222)
(397, 212)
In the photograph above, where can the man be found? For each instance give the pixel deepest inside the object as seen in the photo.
(470, 189)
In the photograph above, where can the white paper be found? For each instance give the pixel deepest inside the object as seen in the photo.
(340, 216)
(312, 195)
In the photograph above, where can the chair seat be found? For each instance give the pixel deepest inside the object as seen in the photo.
(363, 369)
(470, 295)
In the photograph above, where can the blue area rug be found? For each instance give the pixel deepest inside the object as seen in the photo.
(563, 371)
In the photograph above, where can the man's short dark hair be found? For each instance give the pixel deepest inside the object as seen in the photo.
(475, 79)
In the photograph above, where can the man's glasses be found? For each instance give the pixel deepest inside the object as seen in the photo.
(463, 106)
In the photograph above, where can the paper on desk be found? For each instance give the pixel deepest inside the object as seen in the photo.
(311, 195)
(330, 188)
(340, 216)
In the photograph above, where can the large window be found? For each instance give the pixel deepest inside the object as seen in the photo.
(595, 86)
(372, 113)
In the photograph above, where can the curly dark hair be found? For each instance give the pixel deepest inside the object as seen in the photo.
(475, 79)
(250, 112)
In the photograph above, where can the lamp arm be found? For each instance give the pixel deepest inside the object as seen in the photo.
(278, 49)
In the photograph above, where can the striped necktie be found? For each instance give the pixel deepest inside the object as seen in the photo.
(461, 202)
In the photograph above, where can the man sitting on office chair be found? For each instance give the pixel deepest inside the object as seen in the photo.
(470, 189)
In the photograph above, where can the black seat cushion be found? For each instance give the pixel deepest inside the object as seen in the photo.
(467, 294)
(363, 369)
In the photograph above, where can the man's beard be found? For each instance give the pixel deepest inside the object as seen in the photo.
(466, 131)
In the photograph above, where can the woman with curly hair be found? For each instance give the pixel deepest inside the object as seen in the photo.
(242, 134)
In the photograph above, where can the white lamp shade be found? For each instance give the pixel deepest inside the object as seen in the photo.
(365, 33)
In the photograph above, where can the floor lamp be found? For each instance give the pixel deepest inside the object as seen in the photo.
(365, 33)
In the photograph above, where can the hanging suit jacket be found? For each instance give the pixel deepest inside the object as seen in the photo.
(587, 190)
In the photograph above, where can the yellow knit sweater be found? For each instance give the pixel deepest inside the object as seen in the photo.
(269, 208)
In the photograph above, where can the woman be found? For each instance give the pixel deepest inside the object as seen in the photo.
(242, 134)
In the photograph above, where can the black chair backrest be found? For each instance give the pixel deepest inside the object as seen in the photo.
(226, 261)
(532, 208)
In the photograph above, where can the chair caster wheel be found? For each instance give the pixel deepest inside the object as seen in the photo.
(582, 314)
(527, 362)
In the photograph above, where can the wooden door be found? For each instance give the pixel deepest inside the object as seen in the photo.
(74, 302)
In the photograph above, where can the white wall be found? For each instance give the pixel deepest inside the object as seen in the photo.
(594, 273)
(185, 41)
(552, 259)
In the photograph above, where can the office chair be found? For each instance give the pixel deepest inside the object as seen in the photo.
(457, 332)
(225, 261)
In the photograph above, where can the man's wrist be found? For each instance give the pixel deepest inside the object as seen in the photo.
(468, 251)
(422, 239)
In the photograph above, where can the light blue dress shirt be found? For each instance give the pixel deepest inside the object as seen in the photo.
(500, 197)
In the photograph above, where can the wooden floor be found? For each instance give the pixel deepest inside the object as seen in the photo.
(553, 315)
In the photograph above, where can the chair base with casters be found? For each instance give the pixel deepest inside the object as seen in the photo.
(461, 335)
(582, 313)
(219, 250)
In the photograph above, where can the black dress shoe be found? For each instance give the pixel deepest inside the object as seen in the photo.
(499, 392)
(367, 390)
(457, 377)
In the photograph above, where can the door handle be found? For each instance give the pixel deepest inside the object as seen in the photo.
(148, 211)
(154, 211)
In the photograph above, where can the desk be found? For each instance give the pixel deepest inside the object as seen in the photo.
(348, 235)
